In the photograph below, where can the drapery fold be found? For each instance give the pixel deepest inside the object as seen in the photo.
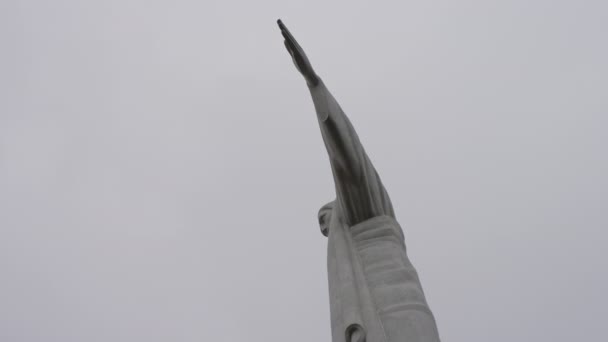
(374, 287)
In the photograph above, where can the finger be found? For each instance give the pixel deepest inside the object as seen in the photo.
(293, 50)
(292, 47)
(297, 58)
(281, 25)
(296, 53)
(289, 49)
(287, 34)
(288, 39)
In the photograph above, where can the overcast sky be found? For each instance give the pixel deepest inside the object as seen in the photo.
(161, 167)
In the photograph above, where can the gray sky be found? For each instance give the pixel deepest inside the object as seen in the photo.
(161, 166)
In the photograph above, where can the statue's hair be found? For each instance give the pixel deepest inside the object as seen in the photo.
(323, 212)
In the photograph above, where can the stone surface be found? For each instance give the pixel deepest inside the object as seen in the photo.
(375, 292)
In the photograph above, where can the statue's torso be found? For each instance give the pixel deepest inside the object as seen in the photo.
(373, 284)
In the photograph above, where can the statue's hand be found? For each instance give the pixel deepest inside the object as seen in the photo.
(298, 56)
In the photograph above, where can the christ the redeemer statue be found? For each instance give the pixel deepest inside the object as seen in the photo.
(375, 293)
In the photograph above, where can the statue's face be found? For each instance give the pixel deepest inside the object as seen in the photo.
(324, 216)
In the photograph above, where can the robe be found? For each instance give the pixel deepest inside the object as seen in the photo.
(373, 286)
(375, 292)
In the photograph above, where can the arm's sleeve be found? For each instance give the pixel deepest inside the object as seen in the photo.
(359, 190)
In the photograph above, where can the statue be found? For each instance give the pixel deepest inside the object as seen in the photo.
(375, 292)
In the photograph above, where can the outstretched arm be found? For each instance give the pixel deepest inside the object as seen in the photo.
(358, 187)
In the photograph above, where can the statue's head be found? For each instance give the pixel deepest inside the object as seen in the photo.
(325, 214)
